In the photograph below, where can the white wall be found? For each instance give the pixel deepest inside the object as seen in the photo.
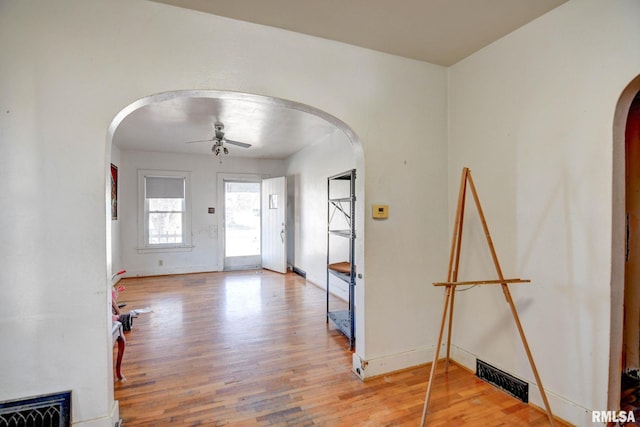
(70, 66)
(204, 171)
(308, 170)
(532, 116)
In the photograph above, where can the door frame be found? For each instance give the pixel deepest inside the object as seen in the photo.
(618, 242)
(631, 312)
(221, 177)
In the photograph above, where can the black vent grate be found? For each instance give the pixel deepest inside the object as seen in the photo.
(299, 272)
(53, 410)
(508, 383)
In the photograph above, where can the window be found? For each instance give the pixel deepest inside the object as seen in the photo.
(165, 209)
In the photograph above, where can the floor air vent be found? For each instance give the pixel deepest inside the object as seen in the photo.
(52, 410)
(299, 272)
(508, 383)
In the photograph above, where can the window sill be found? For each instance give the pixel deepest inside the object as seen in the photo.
(151, 250)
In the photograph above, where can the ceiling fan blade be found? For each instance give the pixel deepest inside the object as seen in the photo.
(239, 144)
(200, 140)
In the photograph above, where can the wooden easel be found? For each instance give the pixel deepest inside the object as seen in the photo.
(452, 282)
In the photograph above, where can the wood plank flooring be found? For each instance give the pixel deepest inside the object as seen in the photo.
(253, 349)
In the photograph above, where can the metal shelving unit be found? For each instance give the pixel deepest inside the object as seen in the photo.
(341, 253)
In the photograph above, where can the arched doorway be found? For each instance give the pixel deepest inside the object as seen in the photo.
(221, 105)
(624, 363)
(164, 122)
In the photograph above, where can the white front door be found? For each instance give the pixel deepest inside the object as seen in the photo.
(274, 219)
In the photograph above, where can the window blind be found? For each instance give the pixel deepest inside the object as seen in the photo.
(159, 187)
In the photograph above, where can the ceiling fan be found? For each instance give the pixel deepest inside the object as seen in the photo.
(219, 140)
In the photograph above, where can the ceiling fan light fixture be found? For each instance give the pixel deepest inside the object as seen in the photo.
(219, 149)
(219, 140)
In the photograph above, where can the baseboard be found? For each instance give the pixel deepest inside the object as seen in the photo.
(165, 271)
(96, 422)
(367, 369)
(560, 407)
(115, 413)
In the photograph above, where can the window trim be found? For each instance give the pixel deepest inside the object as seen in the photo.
(143, 214)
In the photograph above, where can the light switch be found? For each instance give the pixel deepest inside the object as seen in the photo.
(380, 211)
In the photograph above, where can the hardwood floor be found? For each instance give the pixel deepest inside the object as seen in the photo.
(253, 349)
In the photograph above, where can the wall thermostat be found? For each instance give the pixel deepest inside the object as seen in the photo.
(380, 211)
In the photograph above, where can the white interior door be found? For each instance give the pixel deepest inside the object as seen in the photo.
(274, 220)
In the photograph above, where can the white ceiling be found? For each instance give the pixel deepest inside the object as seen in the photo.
(275, 128)
(437, 31)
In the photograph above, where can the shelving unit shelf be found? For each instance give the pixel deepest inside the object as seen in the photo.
(341, 238)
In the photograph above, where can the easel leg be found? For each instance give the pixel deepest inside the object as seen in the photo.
(507, 294)
(454, 256)
(435, 357)
(446, 361)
